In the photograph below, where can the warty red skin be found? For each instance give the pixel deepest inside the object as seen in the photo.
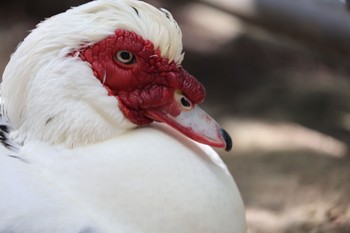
(148, 83)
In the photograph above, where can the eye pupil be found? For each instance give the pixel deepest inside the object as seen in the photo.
(125, 55)
(185, 102)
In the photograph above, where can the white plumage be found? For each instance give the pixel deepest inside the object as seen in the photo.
(72, 162)
(40, 68)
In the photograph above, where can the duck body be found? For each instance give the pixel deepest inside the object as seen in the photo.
(114, 187)
(101, 131)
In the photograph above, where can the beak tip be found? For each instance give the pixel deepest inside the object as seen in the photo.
(227, 139)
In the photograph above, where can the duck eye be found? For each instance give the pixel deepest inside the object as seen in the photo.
(125, 57)
(185, 102)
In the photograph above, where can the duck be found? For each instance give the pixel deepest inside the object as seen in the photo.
(101, 130)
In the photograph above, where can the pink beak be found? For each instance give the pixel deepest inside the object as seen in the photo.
(195, 124)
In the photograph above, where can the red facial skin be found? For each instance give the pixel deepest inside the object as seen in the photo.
(148, 83)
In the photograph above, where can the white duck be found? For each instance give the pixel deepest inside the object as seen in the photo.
(79, 94)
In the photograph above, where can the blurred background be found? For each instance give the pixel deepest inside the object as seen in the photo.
(277, 74)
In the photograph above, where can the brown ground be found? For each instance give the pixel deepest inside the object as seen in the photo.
(287, 108)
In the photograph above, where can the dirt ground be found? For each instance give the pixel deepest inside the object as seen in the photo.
(287, 107)
(289, 121)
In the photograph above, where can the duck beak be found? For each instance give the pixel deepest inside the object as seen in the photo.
(195, 124)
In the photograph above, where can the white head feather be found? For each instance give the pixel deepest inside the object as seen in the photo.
(54, 97)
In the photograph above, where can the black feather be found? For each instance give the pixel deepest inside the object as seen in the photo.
(137, 12)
